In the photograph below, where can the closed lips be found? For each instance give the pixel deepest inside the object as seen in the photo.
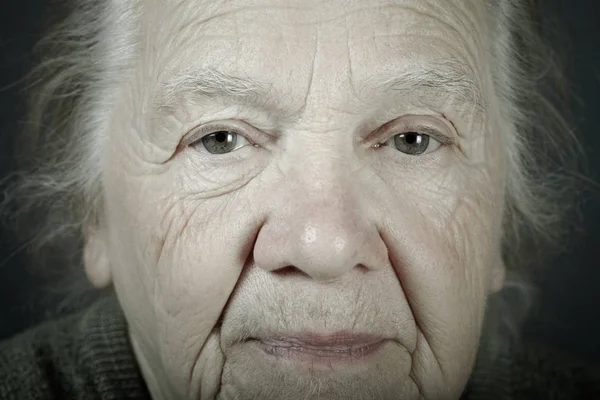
(337, 346)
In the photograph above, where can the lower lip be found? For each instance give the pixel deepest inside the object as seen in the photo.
(315, 355)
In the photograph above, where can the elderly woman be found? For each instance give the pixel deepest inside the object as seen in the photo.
(292, 200)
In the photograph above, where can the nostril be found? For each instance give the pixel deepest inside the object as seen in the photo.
(290, 271)
(362, 268)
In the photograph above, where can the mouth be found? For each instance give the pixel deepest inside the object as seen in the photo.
(326, 349)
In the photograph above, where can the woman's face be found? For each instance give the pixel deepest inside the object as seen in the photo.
(303, 199)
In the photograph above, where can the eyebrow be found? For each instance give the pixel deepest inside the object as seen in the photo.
(449, 78)
(209, 82)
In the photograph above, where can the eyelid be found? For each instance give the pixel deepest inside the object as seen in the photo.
(408, 124)
(431, 132)
(208, 128)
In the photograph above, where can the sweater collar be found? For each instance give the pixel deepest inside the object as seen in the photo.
(106, 352)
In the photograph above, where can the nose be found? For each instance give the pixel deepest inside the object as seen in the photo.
(320, 228)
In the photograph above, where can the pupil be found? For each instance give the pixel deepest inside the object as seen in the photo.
(221, 137)
(411, 138)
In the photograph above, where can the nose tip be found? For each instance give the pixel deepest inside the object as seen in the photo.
(325, 253)
(320, 250)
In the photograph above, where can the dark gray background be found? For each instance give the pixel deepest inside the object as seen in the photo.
(568, 316)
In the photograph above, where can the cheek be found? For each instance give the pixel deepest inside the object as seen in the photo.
(184, 249)
(440, 238)
(176, 259)
(457, 212)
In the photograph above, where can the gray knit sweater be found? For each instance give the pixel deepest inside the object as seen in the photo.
(87, 356)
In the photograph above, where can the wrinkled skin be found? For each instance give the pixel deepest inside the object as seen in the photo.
(317, 222)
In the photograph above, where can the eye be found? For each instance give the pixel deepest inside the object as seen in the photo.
(413, 143)
(221, 142)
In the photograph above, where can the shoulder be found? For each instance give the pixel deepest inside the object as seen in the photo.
(33, 364)
(539, 371)
(85, 356)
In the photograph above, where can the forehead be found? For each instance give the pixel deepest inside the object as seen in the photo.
(337, 46)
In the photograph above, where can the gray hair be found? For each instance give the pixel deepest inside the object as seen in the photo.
(58, 193)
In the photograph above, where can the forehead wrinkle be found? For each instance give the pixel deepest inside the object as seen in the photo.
(454, 78)
(449, 78)
(198, 19)
(447, 15)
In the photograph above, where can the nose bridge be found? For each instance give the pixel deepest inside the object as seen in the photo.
(322, 229)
